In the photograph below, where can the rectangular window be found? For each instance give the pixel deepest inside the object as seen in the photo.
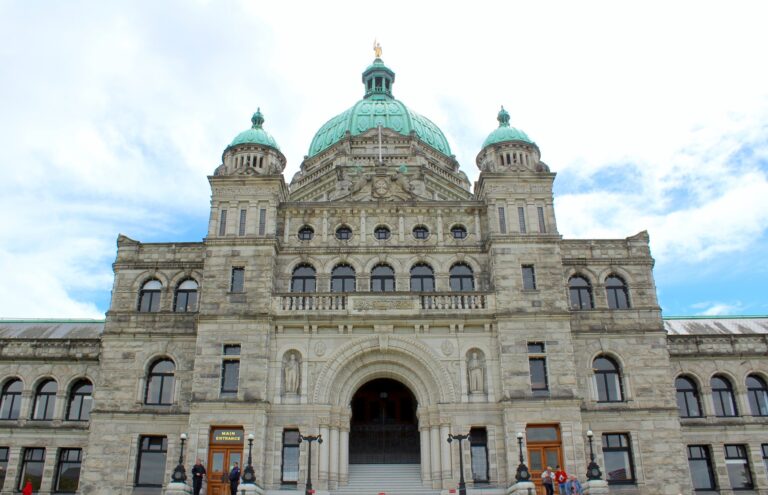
(764, 447)
(521, 218)
(529, 277)
(68, 471)
(290, 467)
(536, 347)
(241, 230)
(478, 448)
(617, 453)
(542, 225)
(238, 279)
(700, 464)
(3, 465)
(538, 367)
(262, 221)
(502, 220)
(32, 468)
(223, 222)
(150, 465)
(230, 375)
(231, 349)
(737, 464)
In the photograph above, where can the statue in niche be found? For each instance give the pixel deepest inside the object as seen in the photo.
(292, 375)
(476, 371)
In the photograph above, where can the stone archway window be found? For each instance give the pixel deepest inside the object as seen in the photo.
(186, 297)
(580, 291)
(382, 233)
(461, 278)
(758, 395)
(344, 233)
(723, 398)
(459, 232)
(382, 279)
(149, 296)
(80, 401)
(422, 278)
(617, 292)
(608, 377)
(10, 400)
(160, 382)
(420, 232)
(303, 279)
(343, 279)
(45, 400)
(688, 402)
(306, 233)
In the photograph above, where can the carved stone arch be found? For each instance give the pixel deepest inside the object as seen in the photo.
(71, 381)
(583, 271)
(7, 379)
(301, 260)
(403, 357)
(159, 356)
(691, 376)
(146, 276)
(762, 374)
(422, 258)
(615, 270)
(43, 377)
(183, 275)
(728, 375)
(477, 269)
(612, 355)
(343, 259)
(386, 260)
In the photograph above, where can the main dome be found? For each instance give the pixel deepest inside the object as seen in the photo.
(378, 107)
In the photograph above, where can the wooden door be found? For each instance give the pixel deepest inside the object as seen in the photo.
(544, 449)
(220, 462)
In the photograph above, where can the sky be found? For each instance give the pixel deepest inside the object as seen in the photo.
(654, 115)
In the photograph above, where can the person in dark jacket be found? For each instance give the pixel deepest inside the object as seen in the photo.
(198, 473)
(234, 479)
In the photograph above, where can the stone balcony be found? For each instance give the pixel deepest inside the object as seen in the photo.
(377, 302)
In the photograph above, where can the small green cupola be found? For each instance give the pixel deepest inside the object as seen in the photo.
(255, 135)
(505, 132)
(378, 80)
(253, 152)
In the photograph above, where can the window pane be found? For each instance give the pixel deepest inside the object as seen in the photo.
(737, 465)
(151, 462)
(241, 229)
(262, 221)
(32, 468)
(521, 218)
(230, 375)
(538, 367)
(700, 465)
(502, 220)
(290, 464)
(238, 279)
(617, 466)
(232, 350)
(68, 470)
(529, 278)
(541, 434)
(3, 464)
(536, 347)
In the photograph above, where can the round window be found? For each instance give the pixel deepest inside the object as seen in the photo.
(382, 233)
(343, 233)
(306, 233)
(459, 232)
(420, 232)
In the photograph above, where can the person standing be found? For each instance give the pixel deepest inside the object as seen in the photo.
(548, 480)
(27, 490)
(234, 479)
(573, 486)
(560, 478)
(198, 473)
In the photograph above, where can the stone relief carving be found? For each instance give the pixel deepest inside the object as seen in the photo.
(320, 349)
(476, 372)
(447, 347)
(291, 373)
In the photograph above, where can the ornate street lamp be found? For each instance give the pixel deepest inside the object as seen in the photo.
(249, 478)
(310, 438)
(179, 474)
(523, 474)
(593, 470)
(462, 485)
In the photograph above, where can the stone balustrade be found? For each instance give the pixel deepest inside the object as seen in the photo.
(383, 301)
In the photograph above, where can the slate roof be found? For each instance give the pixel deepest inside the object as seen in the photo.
(725, 325)
(51, 329)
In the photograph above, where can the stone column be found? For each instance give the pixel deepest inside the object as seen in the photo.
(426, 467)
(344, 456)
(322, 471)
(445, 453)
(434, 434)
(333, 477)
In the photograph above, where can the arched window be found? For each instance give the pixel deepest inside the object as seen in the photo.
(758, 395)
(687, 398)
(186, 297)
(722, 395)
(462, 278)
(343, 279)
(581, 293)
(382, 233)
(617, 291)
(80, 401)
(306, 233)
(160, 383)
(10, 400)
(303, 279)
(149, 296)
(45, 399)
(608, 379)
(382, 279)
(459, 232)
(420, 232)
(344, 233)
(422, 278)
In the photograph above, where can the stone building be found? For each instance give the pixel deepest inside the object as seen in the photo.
(382, 301)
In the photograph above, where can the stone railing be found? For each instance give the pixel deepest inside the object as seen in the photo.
(383, 301)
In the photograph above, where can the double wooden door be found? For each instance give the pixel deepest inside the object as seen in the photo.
(220, 462)
(544, 449)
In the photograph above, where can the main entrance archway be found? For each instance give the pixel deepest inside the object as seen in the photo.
(383, 427)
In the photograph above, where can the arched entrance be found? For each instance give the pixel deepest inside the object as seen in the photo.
(383, 427)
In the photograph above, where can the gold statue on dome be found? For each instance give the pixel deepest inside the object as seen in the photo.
(377, 49)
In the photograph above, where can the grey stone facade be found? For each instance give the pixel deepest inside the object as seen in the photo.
(424, 340)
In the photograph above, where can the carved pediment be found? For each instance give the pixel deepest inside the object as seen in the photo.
(378, 186)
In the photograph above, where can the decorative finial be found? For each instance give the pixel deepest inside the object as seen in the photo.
(257, 119)
(376, 48)
(503, 117)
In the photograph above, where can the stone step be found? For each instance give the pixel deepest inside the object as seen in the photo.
(391, 479)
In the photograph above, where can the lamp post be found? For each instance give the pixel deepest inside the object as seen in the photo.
(462, 485)
(593, 470)
(179, 474)
(310, 438)
(523, 474)
(249, 477)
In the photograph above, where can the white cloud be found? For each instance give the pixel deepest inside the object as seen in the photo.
(717, 308)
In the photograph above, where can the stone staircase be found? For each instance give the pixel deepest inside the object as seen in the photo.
(391, 479)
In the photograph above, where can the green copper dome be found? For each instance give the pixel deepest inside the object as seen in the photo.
(255, 135)
(505, 132)
(378, 107)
